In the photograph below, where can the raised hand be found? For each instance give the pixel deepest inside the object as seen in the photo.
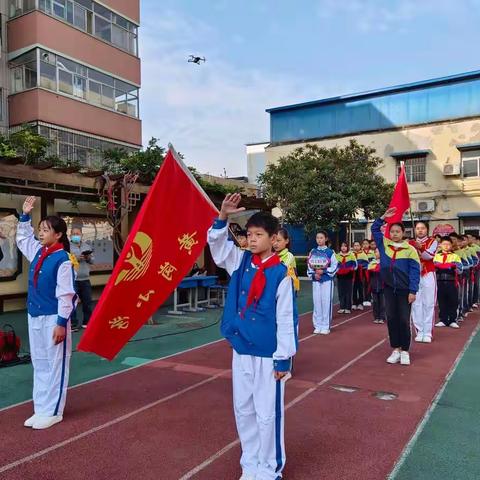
(230, 205)
(390, 212)
(28, 205)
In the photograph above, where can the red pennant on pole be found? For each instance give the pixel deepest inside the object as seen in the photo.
(167, 237)
(400, 198)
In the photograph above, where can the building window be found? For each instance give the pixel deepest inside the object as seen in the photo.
(71, 78)
(470, 163)
(415, 168)
(88, 16)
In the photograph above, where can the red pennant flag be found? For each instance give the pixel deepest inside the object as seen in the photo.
(167, 237)
(400, 198)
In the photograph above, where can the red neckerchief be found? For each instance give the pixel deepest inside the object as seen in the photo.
(259, 280)
(46, 251)
(394, 257)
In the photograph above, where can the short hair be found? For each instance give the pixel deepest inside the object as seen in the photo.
(454, 235)
(398, 224)
(446, 238)
(323, 232)
(423, 223)
(461, 237)
(242, 233)
(264, 220)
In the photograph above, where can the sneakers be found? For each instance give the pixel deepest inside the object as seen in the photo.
(454, 325)
(84, 326)
(354, 307)
(404, 358)
(440, 324)
(246, 476)
(367, 304)
(394, 357)
(341, 311)
(380, 320)
(30, 421)
(42, 423)
(347, 311)
(359, 307)
(419, 338)
(324, 331)
(427, 339)
(316, 331)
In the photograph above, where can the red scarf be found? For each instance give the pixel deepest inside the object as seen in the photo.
(394, 257)
(259, 280)
(46, 251)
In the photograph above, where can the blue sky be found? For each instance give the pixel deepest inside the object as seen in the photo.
(266, 53)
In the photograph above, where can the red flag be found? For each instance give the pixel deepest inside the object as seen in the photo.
(400, 198)
(167, 237)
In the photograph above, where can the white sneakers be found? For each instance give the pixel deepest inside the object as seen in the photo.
(324, 332)
(316, 331)
(367, 304)
(454, 325)
(440, 324)
(354, 307)
(346, 311)
(30, 421)
(419, 338)
(423, 338)
(341, 311)
(359, 307)
(39, 422)
(394, 357)
(404, 358)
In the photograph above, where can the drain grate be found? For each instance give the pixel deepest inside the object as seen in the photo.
(385, 395)
(344, 388)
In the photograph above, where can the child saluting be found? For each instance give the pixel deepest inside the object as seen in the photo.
(260, 323)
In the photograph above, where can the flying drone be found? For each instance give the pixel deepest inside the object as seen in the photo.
(195, 59)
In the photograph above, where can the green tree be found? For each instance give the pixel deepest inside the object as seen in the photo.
(321, 187)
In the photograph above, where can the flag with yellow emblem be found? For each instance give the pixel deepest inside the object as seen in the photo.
(167, 237)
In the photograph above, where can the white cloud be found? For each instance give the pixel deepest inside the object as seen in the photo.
(207, 111)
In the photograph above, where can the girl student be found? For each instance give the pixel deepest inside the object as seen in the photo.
(280, 246)
(50, 303)
(347, 264)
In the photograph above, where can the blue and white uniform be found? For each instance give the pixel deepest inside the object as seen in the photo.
(323, 258)
(264, 339)
(49, 304)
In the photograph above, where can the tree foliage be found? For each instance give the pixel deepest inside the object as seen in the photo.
(320, 187)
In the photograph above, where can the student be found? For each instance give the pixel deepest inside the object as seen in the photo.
(367, 297)
(423, 309)
(242, 239)
(83, 254)
(400, 270)
(51, 301)
(476, 252)
(322, 267)
(260, 322)
(281, 246)
(358, 276)
(472, 252)
(376, 286)
(467, 264)
(447, 266)
(347, 264)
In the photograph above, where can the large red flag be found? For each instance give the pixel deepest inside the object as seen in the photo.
(400, 198)
(168, 235)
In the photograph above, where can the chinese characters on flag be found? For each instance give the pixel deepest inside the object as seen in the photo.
(167, 237)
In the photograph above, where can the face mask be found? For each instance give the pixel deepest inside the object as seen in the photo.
(76, 238)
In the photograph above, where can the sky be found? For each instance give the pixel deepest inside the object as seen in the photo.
(267, 53)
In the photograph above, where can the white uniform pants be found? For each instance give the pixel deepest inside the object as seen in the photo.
(322, 304)
(259, 414)
(51, 364)
(423, 307)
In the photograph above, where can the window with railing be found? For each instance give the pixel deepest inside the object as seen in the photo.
(415, 168)
(40, 68)
(88, 16)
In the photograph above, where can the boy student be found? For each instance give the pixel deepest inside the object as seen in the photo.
(260, 322)
(447, 266)
(367, 297)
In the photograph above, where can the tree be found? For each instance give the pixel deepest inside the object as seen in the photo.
(321, 187)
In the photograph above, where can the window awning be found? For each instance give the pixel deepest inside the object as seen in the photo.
(468, 214)
(412, 154)
(468, 146)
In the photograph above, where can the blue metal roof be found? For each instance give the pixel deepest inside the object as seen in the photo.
(411, 154)
(428, 101)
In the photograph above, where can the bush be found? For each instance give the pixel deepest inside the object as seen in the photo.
(301, 266)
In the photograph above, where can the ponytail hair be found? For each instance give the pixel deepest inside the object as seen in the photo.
(58, 225)
(284, 233)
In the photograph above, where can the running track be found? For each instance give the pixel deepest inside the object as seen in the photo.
(172, 419)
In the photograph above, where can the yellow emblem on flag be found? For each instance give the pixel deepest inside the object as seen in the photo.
(137, 260)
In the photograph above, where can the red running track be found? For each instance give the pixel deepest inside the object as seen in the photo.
(172, 419)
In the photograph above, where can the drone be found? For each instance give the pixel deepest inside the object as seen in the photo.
(195, 59)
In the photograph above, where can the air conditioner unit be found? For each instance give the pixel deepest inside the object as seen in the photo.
(451, 169)
(425, 206)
